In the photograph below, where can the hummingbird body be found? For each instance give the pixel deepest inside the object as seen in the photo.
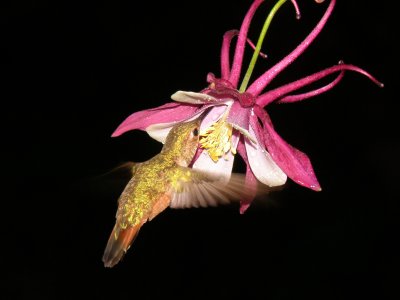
(166, 181)
(150, 189)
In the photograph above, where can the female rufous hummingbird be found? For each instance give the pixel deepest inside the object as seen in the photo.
(166, 180)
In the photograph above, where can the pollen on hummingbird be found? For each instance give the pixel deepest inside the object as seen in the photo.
(217, 140)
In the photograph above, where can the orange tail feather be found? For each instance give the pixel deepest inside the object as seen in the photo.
(117, 247)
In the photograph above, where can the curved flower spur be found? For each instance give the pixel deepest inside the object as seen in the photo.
(235, 120)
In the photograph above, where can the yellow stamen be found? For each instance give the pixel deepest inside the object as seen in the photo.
(217, 139)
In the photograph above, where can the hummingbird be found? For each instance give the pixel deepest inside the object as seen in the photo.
(164, 181)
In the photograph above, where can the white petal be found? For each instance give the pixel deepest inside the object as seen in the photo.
(262, 164)
(212, 116)
(160, 131)
(223, 166)
(245, 133)
(193, 98)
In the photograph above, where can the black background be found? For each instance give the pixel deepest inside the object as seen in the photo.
(73, 70)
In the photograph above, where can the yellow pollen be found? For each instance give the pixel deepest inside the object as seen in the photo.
(217, 140)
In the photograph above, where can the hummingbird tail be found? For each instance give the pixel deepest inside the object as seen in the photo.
(118, 245)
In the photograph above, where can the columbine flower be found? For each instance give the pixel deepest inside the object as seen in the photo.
(235, 119)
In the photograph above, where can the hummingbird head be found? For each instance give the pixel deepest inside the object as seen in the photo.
(182, 141)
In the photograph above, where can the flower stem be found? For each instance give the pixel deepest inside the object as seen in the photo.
(257, 50)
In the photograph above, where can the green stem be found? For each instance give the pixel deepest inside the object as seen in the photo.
(256, 53)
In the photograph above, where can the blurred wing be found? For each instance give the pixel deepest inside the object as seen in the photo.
(110, 181)
(123, 171)
(201, 189)
(126, 169)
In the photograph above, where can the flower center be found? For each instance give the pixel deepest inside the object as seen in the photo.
(246, 99)
(221, 88)
(217, 139)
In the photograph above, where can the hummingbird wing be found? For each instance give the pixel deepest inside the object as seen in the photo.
(129, 168)
(202, 189)
(119, 174)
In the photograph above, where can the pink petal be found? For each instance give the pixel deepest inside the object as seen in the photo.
(160, 131)
(313, 93)
(239, 116)
(257, 86)
(251, 180)
(241, 43)
(293, 162)
(279, 92)
(225, 60)
(167, 113)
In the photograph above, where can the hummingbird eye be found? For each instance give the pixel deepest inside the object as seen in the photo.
(195, 132)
